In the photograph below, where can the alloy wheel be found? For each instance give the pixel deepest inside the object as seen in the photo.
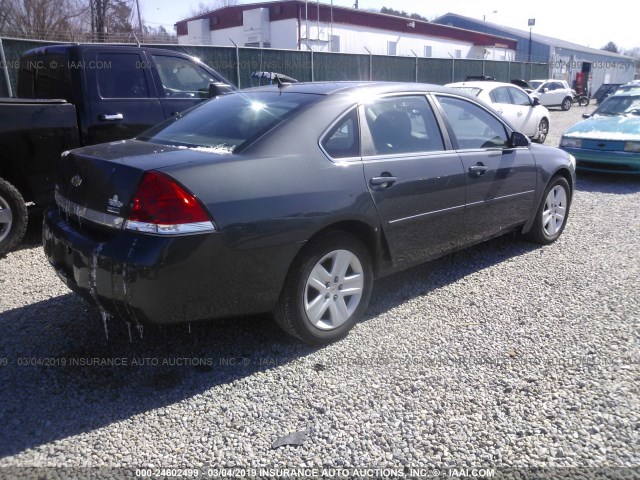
(555, 210)
(333, 289)
(6, 219)
(543, 130)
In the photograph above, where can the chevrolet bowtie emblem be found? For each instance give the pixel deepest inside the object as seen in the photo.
(76, 181)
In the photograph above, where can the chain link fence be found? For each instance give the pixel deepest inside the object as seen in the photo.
(237, 64)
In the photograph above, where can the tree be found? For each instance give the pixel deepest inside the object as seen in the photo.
(6, 9)
(42, 18)
(203, 7)
(633, 52)
(158, 35)
(610, 47)
(398, 13)
(109, 17)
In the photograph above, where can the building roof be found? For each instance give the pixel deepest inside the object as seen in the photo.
(231, 16)
(536, 37)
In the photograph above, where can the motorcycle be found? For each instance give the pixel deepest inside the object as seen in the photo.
(581, 99)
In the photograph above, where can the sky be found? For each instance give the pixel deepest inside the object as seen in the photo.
(566, 20)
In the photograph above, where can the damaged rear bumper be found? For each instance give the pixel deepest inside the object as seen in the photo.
(159, 279)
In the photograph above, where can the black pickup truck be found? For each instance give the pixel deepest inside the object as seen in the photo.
(76, 95)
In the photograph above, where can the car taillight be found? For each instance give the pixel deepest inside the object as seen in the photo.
(162, 206)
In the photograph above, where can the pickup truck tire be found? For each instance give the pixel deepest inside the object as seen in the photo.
(13, 217)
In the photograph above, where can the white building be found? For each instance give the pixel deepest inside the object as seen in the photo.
(304, 25)
(581, 66)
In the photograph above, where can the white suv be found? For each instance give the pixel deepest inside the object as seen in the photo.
(553, 93)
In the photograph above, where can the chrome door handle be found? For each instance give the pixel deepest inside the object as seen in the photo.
(383, 182)
(111, 117)
(478, 170)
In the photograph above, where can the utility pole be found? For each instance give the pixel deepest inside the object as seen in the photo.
(532, 23)
(140, 20)
(101, 18)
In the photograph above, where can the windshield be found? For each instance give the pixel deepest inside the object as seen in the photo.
(535, 83)
(228, 123)
(470, 90)
(622, 105)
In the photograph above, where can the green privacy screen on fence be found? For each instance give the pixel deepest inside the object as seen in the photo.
(238, 64)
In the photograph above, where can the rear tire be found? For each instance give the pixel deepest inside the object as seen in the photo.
(566, 104)
(327, 289)
(13, 217)
(584, 101)
(551, 216)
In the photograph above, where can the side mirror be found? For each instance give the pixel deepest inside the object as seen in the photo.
(217, 89)
(536, 101)
(545, 89)
(586, 115)
(518, 140)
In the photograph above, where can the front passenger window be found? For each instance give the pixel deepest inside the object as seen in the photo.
(471, 126)
(181, 78)
(500, 95)
(519, 97)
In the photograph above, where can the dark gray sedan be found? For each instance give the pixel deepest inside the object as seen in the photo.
(292, 199)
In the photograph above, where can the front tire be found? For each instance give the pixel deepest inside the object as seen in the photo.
(552, 213)
(13, 217)
(584, 101)
(327, 289)
(543, 131)
(566, 104)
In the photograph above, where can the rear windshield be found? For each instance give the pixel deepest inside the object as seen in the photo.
(470, 90)
(228, 123)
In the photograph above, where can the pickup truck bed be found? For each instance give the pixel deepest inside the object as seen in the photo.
(30, 158)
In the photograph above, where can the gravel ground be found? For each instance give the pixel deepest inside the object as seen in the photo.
(506, 354)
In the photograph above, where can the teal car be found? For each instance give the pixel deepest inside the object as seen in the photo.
(609, 139)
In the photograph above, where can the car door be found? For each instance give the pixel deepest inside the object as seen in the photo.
(181, 82)
(418, 186)
(504, 105)
(557, 92)
(527, 118)
(501, 181)
(122, 95)
(545, 94)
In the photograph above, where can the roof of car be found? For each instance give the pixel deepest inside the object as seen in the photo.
(481, 84)
(376, 88)
(632, 92)
(65, 48)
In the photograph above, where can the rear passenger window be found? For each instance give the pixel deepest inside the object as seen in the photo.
(403, 125)
(121, 75)
(343, 140)
(472, 126)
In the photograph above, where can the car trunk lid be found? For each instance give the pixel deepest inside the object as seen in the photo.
(97, 183)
